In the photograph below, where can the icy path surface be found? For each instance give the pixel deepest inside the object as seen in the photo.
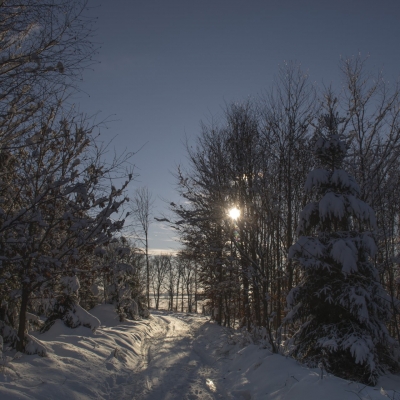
(177, 362)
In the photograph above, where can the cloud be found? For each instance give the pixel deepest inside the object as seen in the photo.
(155, 252)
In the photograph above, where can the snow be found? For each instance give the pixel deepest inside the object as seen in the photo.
(34, 346)
(70, 284)
(345, 252)
(310, 251)
(362, 211)
(332, 205)
(168, 356)
(316, 178)
(369, 244)
(79, 316)
(342, 179)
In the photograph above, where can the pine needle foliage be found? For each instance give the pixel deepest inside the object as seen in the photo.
(339, 310)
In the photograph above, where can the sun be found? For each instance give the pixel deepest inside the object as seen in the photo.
(234, 213)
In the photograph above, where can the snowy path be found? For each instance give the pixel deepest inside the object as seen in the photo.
(167, 357)
(177, 364)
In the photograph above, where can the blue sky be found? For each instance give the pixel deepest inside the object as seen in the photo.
(166, 65)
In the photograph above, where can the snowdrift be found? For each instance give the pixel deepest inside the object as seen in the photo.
(105, 364)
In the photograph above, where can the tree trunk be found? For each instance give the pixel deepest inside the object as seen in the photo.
(182, 295)
(22, 319)
(158, 298)
(147, 271)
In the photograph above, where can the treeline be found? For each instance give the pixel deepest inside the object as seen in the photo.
(174, 278)
(60, 213)
(257, 159)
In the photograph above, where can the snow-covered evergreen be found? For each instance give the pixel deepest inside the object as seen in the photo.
(339, 309)
(67, 308)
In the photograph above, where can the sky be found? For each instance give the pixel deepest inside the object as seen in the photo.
(166, 65)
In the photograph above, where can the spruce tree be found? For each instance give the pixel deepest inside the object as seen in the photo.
(339, 309)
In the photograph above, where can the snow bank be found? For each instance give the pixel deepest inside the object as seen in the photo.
(256, 373)
(106, 364)
(80, 364)
(106, 314)
(79, 316)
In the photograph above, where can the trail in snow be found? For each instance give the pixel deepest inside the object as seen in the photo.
(163, 358)
(177, 364)
(193, 359)
(168, 357)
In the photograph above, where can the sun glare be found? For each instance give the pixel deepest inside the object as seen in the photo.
(234, 213)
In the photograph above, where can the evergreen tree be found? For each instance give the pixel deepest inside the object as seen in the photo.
(339, 309)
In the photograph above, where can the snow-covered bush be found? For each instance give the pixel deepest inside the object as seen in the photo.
(70, 285)
(34, 322)
(339, 309)
(67, 308)
(8, 333)
(8, 317)
(73, 315)
(121, 280)
(34, 346)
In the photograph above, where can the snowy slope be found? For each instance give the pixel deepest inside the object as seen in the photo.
(169, 356)
(80, 364)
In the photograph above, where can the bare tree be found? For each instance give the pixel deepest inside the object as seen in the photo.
(170, 283)
(44, 47)
(288, 110)
(142, 207)
(57, 208)
(254, 162)
(56, 191)
(160, 265)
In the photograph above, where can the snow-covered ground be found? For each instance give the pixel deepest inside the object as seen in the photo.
(170, 356)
